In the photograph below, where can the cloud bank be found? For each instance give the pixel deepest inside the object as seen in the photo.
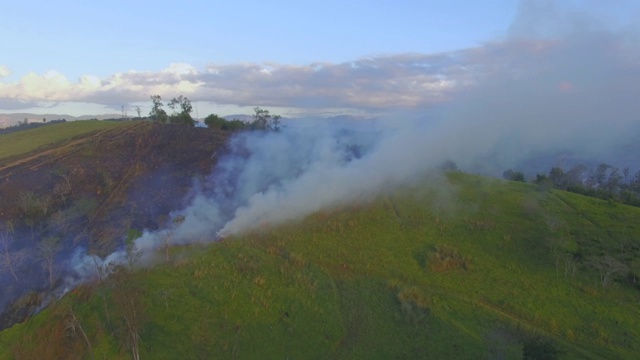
(399, 81)
(573, 61)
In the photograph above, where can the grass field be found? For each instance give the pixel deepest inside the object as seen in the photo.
(479, 269)
(26, 141)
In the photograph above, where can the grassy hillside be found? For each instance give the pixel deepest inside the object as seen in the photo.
(22, 142)
(481, 268)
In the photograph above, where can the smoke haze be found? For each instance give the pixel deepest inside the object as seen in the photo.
(560, 87)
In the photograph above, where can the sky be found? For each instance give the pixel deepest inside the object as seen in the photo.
(297, 58)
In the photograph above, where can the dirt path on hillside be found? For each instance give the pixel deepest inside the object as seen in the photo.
(66, 146)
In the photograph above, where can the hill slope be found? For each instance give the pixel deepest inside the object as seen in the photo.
(84, 184)
(476, 268)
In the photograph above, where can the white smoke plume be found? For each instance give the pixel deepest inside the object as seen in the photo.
(269, 178)
(564, 90)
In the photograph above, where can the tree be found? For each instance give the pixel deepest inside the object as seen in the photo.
(235, 125)
(184, 115)
(127, 298)
(73, 325)
(62, 190)
(615, 181)
(44, 204)
(576, 176)
(175, 223)
(33, 208)
(634, 184)
(27, 201)
(157, 113)
(137, 108)
(48, 248)
(10, 260)
(103, 271)
(558, 178)
(214, 121)
(65, 174)
(262, 120)
(625, 173)
(173, 104)
(599, 176)
(513, 175)
(44, 120)
(608, 267)
(183, 102)
(543, 181)
(131, 250)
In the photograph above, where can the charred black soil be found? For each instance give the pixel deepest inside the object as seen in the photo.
(89, 191)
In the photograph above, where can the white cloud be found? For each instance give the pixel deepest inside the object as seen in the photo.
(180, 69)
(548, 52)
(4, 71)
(372, 83)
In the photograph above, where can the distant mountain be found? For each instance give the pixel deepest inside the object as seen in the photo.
(337, 118)
(14, 118)
(242, 117)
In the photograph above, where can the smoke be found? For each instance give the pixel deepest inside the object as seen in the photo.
(331, 169)
(269, 178)
(559, 84)
(563, 81)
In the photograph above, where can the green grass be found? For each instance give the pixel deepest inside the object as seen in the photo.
(465, 271)
(23, 142)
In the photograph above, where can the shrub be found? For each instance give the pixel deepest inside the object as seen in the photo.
(414, 305)
(445, 258)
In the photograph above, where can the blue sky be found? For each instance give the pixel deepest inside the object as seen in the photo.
(82, 57)
(101, 38)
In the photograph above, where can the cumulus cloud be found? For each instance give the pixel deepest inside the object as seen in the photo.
(4, 71)
(397, 81)
(560, 53)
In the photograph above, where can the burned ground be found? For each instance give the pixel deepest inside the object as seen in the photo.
(89, 191)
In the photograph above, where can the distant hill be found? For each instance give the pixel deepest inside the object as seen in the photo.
(241, 117)
(337, 118)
